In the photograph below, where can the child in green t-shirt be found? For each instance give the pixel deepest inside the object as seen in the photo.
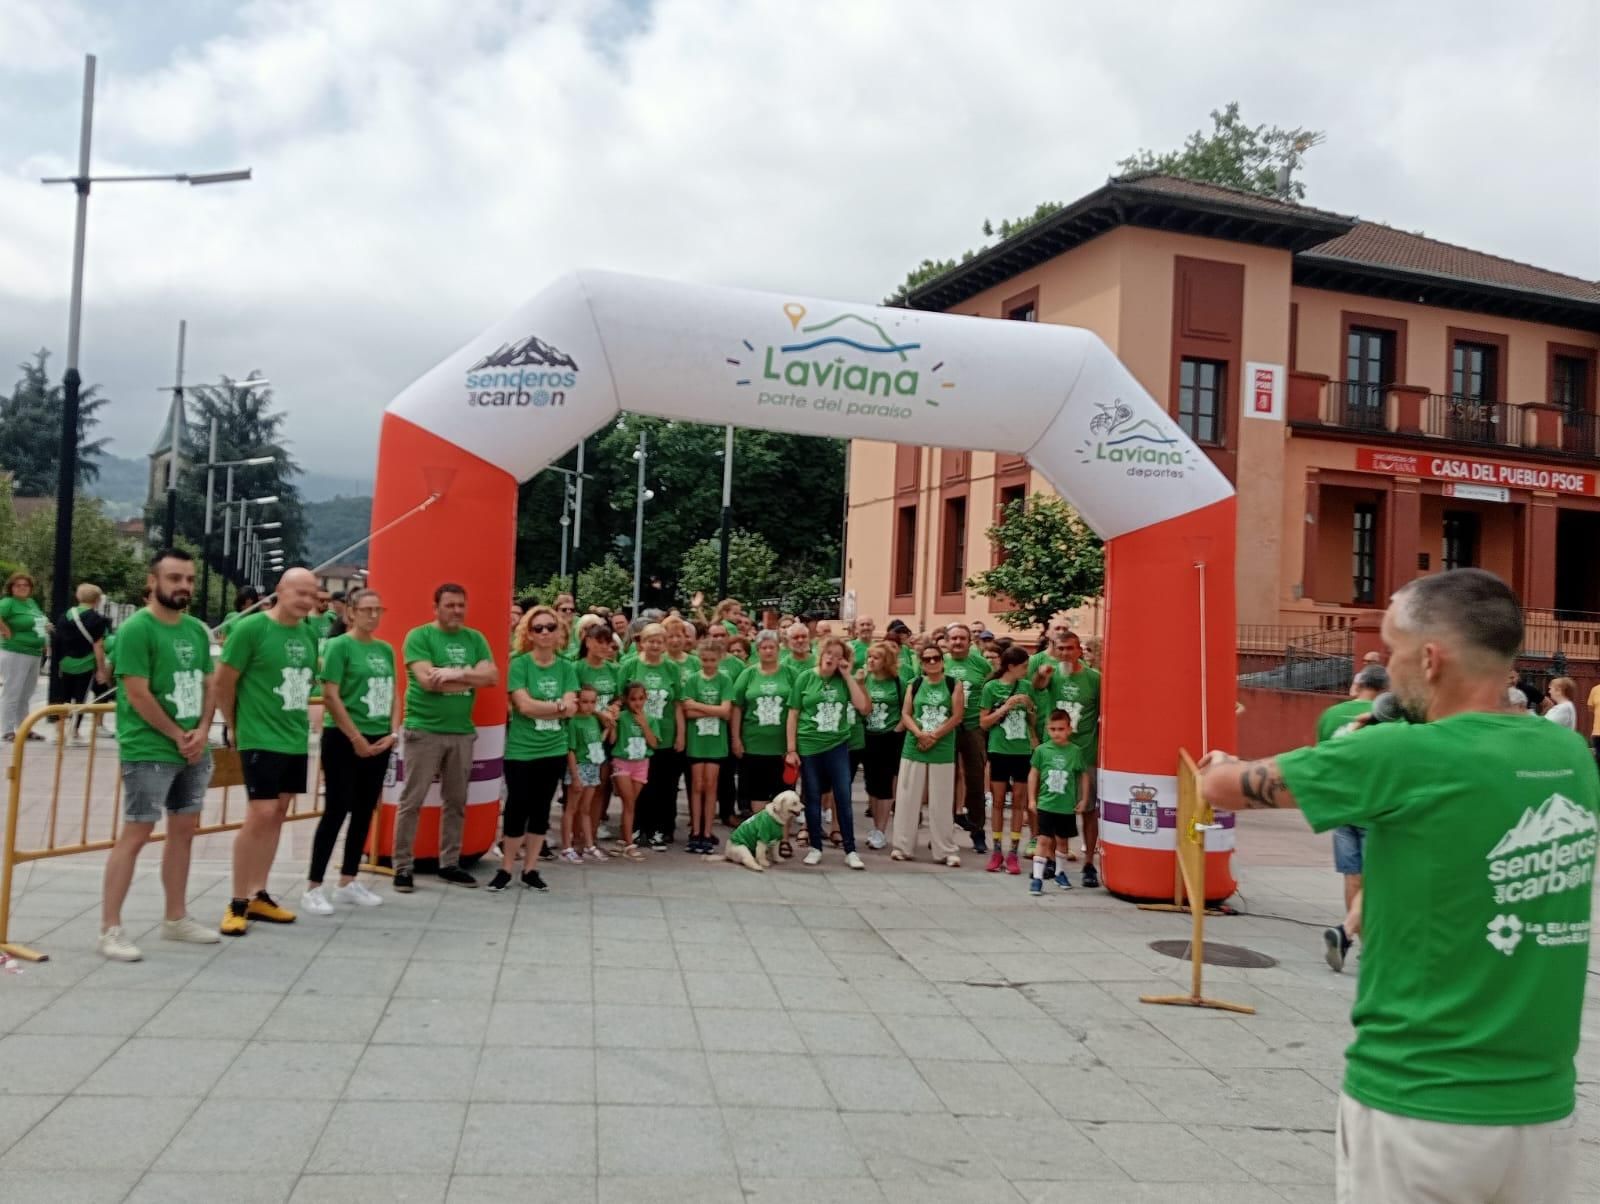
(1059, 785)
(586, 753)
(706, 711)
(630, 765)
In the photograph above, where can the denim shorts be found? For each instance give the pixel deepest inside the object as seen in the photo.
(1349, 843)
(150, 787)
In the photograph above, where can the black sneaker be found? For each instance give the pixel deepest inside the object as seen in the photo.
(708, 844)
(404, 884)
(546, 853)
(1090, 877)
(658, 841)
(979, 844)
(1335, 947)
(456, 875)
(499, 882)
(532, 880)
(1050, 868)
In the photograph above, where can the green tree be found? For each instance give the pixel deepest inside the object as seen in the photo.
(1047, 561)
(1233, 154)
(605, 584)
(100, 553)
(248, 426)
(752, 565)
(30, 430)
(929, 269)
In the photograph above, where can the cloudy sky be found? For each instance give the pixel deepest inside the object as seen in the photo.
(422, 166)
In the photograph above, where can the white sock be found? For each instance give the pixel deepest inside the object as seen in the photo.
(1038, 868)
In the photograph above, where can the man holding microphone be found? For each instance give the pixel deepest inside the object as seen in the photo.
(1481, 842)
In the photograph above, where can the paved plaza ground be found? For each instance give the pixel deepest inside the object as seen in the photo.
(684, 1031)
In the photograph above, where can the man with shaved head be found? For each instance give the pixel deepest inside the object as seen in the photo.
(264, 694)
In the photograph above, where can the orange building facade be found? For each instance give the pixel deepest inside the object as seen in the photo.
(1386, 405)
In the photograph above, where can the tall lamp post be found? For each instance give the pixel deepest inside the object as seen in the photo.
(67, 462)
(178, 420)
(212, 464)
(642, 495)
(727, 510)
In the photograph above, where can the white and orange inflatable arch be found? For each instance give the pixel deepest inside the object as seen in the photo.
(596, 343)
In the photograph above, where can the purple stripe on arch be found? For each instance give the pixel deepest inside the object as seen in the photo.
(1166, 817)
(487, 770)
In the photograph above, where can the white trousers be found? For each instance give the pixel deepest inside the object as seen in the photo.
(940, 783)
(1387, 1159)
(19, 674)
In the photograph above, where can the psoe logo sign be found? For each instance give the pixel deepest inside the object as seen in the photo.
(1140, 447)
(526, 373)
(846, 363)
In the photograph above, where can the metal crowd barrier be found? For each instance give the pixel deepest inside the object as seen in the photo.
(94, 825)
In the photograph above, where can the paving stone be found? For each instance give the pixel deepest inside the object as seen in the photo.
(672, 1142)
(539, 1139)
(178, 1067)
(89, 1133)
(408, 1072)
(862, 1084)
(280, 1138)
(71, 1187)
(289, 1070)
(166, 1187)
(786, 1080)
(19, 1113)
(31, 1065)
(82, 1013)
(371, 1189)
(390, 1137)
(772, 1142)
(534, 1075)
(653, 1076)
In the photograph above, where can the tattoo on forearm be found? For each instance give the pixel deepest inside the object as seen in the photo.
(1261, 784)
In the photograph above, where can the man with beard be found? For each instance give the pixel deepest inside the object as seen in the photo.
(164, 707)
(264, 693)
(1477, 874)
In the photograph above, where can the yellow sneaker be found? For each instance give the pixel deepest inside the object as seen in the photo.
(263, 907)
(234, 923)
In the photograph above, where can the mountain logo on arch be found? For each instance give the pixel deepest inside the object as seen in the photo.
(527, 373)
(1142, 447)
(845, 363)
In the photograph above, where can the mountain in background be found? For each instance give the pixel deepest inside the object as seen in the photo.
(123, 482)
(324, 487)
(334, 524)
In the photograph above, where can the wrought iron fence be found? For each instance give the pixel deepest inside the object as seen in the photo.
(1580, 434)
(1358, 406)
(1471, 420)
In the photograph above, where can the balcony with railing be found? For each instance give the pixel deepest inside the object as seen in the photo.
(1411, 412)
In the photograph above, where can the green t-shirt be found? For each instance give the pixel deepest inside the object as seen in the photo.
(909, 668)
(932, 709)
(364, 672)
(603, 677)
(707, 736)
(1331, 722)
(971, 673)
(427, 710)
(858, 653)
(760, 827)
(884, 694)
(663, 685)
(822, 703)
(532, 739)
(798, 664)
(174, 658)
(111, 648)
(276, 664)
(27, 623)
(321, 624)
(586, 740)
(1078, 694)
(631, 744)
(1012, 736)
(227, 624)
(858, 729)
(1059, 766)
(734, 666)
(763, 699)
(1478, 868)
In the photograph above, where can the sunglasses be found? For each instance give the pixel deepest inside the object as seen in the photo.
(933, 660)
(541, 627)
(369, 610)
(566, 610)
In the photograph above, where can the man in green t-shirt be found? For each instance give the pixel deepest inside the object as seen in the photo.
(1344, 719)
(797, 652)
(164, 706)
(446, 662)
(964, 663)
(865, 633)
(1480, 862)
(264, 693)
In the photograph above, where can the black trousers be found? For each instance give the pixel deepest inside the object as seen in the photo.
(352, 787)
(658, 803)
(73, 687)
(728, 789)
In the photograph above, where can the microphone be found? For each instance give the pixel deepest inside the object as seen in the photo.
(1386, 709)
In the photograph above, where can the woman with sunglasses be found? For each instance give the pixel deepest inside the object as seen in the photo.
(818, 738)
(597, 667)
(544, 695)
(931, 712)
(566, 608)
(360, 716)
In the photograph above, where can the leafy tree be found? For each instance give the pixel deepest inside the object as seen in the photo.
(605, 584)
(334, 525)
(929, 269)
(752, 565)
(8, 517)
(810, 590)
(1233, 154)
(30, 430)
(100, 553)
(1048, 561)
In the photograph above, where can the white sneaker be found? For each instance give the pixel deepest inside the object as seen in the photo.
(876, 839)
(853, 860)
(603, 832)
(190, 932)
(814, 857)
(316, 902)
(114, 946)
(571, 854)
(357, 895)
(953, 861)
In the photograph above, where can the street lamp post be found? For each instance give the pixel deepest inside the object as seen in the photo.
(212, 464)
(67, 461)
(641, 495)
(727, 510)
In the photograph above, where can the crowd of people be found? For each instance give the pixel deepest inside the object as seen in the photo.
(609, 717)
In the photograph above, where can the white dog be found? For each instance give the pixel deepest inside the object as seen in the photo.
(749, 844)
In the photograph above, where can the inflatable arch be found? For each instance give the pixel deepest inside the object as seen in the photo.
(456, 443)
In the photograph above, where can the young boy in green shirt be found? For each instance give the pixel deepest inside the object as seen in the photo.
(586, 753)
(707, 707)
(1059, 784)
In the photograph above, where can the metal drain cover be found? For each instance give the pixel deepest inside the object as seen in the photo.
(1236, 956)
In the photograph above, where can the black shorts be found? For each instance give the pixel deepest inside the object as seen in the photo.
(1057, 826)
(881, 759)
(1010, 767)
(760, 779)
(704, 760)
(271, 775)
(530, 789)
